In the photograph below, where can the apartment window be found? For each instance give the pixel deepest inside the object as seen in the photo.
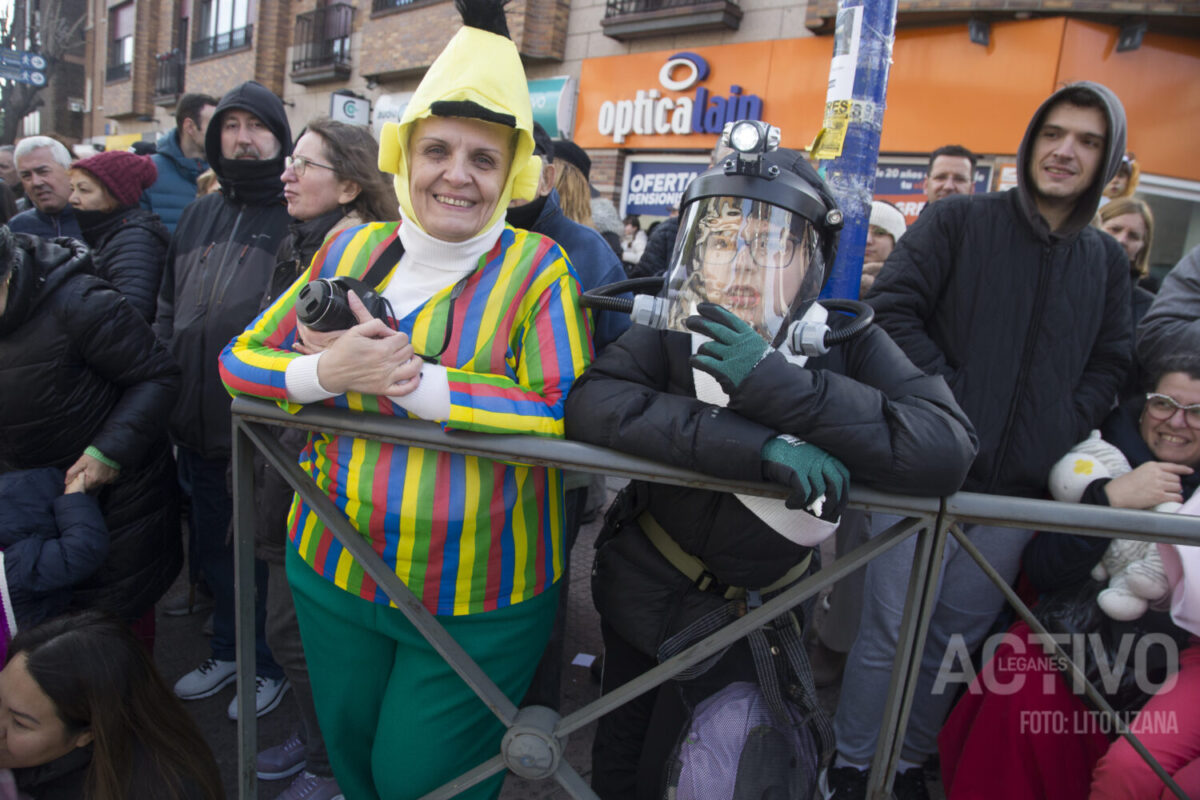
(120, 41)
(222, 25)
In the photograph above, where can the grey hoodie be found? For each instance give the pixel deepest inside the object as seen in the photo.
(1086, 207)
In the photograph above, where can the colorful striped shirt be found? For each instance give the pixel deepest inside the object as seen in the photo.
(465, 534)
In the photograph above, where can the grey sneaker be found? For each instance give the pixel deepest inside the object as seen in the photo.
(309, 787)
(268, 693)
(206, 680)
(282, 760)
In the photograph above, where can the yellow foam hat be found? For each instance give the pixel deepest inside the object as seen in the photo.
(478, 75)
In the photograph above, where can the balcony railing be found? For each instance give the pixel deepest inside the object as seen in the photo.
(168, 79)
(637, 19)
(230, 40)
(619, 7)
(116, 72)
(322, 40)
(384, 5)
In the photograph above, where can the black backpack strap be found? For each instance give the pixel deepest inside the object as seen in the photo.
(388, 258)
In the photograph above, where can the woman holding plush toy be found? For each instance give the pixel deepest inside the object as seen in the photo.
(1022, 730)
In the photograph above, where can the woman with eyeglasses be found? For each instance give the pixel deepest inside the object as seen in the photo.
(331, 183)
(1021, 730)
(486, 335)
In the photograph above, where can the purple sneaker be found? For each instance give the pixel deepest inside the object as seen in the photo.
(309, 787)
(282, 760)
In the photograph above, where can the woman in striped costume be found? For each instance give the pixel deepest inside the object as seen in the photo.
(489, 337)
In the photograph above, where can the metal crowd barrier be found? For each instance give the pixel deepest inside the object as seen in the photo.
(535, 739)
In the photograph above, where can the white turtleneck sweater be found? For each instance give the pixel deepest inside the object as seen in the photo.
(427, 266)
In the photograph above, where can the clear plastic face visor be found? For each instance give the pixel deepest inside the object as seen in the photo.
(759, 261)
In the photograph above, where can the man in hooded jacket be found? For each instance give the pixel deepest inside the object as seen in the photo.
(218, 267)
(1024, 309)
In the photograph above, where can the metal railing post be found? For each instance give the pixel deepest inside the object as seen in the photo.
(244, 591)
(920, 602)
(251, 418)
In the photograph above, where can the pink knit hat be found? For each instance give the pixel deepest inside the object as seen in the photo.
(124, 174)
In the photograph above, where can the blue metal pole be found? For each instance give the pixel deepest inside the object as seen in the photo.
(848, 149)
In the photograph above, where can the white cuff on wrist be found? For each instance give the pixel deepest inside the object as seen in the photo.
(303, 385)
(431, 399)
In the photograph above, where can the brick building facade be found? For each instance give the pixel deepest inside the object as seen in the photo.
(313, 52)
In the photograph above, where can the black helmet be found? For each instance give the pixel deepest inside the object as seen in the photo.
(757, 234)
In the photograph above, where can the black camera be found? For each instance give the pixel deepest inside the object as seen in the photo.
(322, 304)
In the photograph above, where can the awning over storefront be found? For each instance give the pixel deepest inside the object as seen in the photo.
(942, 89)
(122, 141)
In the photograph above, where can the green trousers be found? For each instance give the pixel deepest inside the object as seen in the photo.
(397, 721)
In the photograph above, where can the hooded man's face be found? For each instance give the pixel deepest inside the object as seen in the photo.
(245, 136)
(1068, 152)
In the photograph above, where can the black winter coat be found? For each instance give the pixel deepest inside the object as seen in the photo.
(128, 249)
(894, 427)
(219, 263)
(1032, 335)
(80, 368)
(1029, 326)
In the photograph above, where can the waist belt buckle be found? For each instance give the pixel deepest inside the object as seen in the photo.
(707, 582)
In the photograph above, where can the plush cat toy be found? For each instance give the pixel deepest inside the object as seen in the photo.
(1134, 569)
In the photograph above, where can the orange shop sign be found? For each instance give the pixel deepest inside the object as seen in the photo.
(671, 99)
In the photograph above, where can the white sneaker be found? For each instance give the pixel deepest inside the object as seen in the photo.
(268, 693)
(206, 680)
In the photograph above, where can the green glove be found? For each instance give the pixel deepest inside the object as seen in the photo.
(808, 470)
(735, 348)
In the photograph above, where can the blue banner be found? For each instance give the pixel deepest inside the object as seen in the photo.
(654, 187)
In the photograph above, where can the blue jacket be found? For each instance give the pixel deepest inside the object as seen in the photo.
(51, 541)
(47, 226)
(593, 260)
(176, 184)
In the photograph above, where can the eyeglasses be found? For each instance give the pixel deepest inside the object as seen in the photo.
(1162, 407)
(300, 165)
(719, 248)
(773, 249)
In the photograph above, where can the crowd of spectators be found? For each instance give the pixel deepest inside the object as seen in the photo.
(139, 291)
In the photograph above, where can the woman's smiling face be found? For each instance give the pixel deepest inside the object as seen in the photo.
(457, 172)
(1172, 439)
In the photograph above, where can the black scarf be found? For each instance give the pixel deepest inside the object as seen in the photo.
(252, 182)
(95, 224)
(527, 215)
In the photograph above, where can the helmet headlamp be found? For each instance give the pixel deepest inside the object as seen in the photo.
(750, 139)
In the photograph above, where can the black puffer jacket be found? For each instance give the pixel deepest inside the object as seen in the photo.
(129, 246)
(1030, 328)
(894, 427)
(217, 269)
(80, 368)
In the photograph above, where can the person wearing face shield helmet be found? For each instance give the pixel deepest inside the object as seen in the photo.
(713, 384)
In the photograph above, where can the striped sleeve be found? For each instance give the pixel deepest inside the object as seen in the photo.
(255, 361)
(548, 347)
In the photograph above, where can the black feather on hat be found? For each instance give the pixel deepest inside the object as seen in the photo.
(487, 15)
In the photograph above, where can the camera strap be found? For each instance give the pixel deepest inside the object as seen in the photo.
(387, 259)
